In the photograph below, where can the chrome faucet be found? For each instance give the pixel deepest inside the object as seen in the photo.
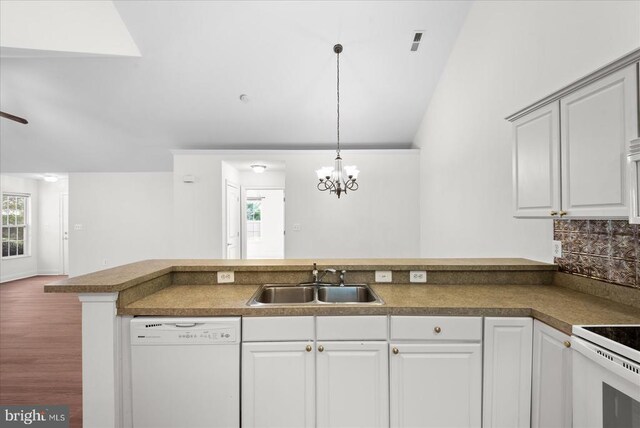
(342, 275)
(317, 277)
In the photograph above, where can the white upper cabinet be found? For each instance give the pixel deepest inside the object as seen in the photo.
(597, 124)
(536, 163)
(571, 149)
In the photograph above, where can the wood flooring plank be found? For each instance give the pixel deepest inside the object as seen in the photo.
(40, 346)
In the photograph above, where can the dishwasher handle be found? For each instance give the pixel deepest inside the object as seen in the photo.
(186, 324)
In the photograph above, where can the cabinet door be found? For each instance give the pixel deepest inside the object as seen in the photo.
(551, 389)
(634, 181)
(278, 388)
(352, 384)
(597, 123)
(507, 372)
(436, 385)
(536, 163)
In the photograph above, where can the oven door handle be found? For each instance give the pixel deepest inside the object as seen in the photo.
(591, 351)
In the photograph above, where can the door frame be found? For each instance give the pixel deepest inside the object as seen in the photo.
(64, 254)
(225, 227)
(243, 220)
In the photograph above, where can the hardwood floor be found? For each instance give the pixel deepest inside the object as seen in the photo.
(40, 346)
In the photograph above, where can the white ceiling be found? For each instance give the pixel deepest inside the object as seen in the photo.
(126, 114)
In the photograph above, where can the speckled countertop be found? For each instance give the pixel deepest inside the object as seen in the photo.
(126, 276)
(557, 306)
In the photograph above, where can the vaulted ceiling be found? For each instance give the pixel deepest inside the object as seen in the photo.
(119, 113)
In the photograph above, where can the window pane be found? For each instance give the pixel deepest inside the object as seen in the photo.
(5, 249)
(13, 233)
(5, 233)
(21, 233)
(20, 248)
(13, 248)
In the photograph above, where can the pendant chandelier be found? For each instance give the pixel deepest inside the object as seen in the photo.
(338, 179)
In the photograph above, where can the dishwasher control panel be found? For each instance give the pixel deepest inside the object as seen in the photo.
(193, 331)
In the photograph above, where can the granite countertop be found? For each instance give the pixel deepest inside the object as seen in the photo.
(556, 306)
(126, 276)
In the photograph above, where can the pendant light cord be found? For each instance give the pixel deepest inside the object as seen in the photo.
(338, 93)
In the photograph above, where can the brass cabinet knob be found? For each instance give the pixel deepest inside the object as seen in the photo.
(563, 213)
(567, 344)
(395, 351)
(553, 213)
(308, 348)
(437, 330)
(320, 348)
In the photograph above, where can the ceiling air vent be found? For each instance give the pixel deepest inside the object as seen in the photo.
(417, 37)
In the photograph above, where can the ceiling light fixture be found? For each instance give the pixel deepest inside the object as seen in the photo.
(50, 178)
(258, 169)
(338, 179)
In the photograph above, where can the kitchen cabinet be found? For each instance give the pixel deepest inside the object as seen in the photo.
(352, 384)
(551, 400)
(536, 163)
(634, 181)
(570, 155)
(435, 369)
(507, 372)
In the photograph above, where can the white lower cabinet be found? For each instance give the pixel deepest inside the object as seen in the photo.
(352, 381)
(278, 385)
(435, 384)
(551, 400)
(507, 372)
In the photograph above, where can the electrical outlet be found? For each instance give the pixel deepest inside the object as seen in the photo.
(296, 227)
(225, 277)
(418, 276)
(556, 248)
(104, 262)
(384, 276)
(78, 226)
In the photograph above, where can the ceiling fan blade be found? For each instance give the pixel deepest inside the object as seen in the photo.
(14, 118)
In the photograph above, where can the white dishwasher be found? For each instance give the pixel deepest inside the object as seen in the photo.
(185, 372)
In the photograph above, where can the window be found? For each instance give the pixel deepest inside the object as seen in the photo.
(15, 223)
(254, 217)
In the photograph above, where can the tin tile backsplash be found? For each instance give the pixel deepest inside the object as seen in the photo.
(607, 250)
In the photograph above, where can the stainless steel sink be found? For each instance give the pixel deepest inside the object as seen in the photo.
(314, 294)
(346, 294)
(286, 294)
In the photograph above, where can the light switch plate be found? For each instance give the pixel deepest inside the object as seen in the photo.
(225, 277)
(296, 227)
(384, 276)
(556, 248)
(418, 276)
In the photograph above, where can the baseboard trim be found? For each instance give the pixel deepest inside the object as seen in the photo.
(17, 276)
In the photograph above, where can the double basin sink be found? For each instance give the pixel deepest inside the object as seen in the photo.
(314, 294)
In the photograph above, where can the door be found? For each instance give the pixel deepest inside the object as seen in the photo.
(536, 163)
(233, 221)
(264, 219)
(598, 121)
(436, 385)
(551, 380)
(278, 384)
(64, 218)
(507, 372)
(352, 384)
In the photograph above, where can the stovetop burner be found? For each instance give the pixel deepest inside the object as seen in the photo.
(625, 335)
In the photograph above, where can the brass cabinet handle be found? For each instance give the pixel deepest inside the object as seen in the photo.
(563, 213)
(437, 330)
(554, 213)
(567, 344)
(395, 351)
(308, 348)
(320, 348)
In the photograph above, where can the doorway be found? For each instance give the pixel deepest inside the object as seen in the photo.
(232, 221)
(264, 223)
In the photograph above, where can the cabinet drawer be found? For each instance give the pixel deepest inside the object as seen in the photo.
(352, 328)
(259, 329)
(436, 328)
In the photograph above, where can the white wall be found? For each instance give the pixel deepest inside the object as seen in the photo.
(50, 226)
(380, 220)
(125, 217)
(22, 267)
(508, 55)
(270, 244)
(249, 179)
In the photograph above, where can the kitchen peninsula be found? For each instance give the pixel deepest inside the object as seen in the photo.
(456, 292)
